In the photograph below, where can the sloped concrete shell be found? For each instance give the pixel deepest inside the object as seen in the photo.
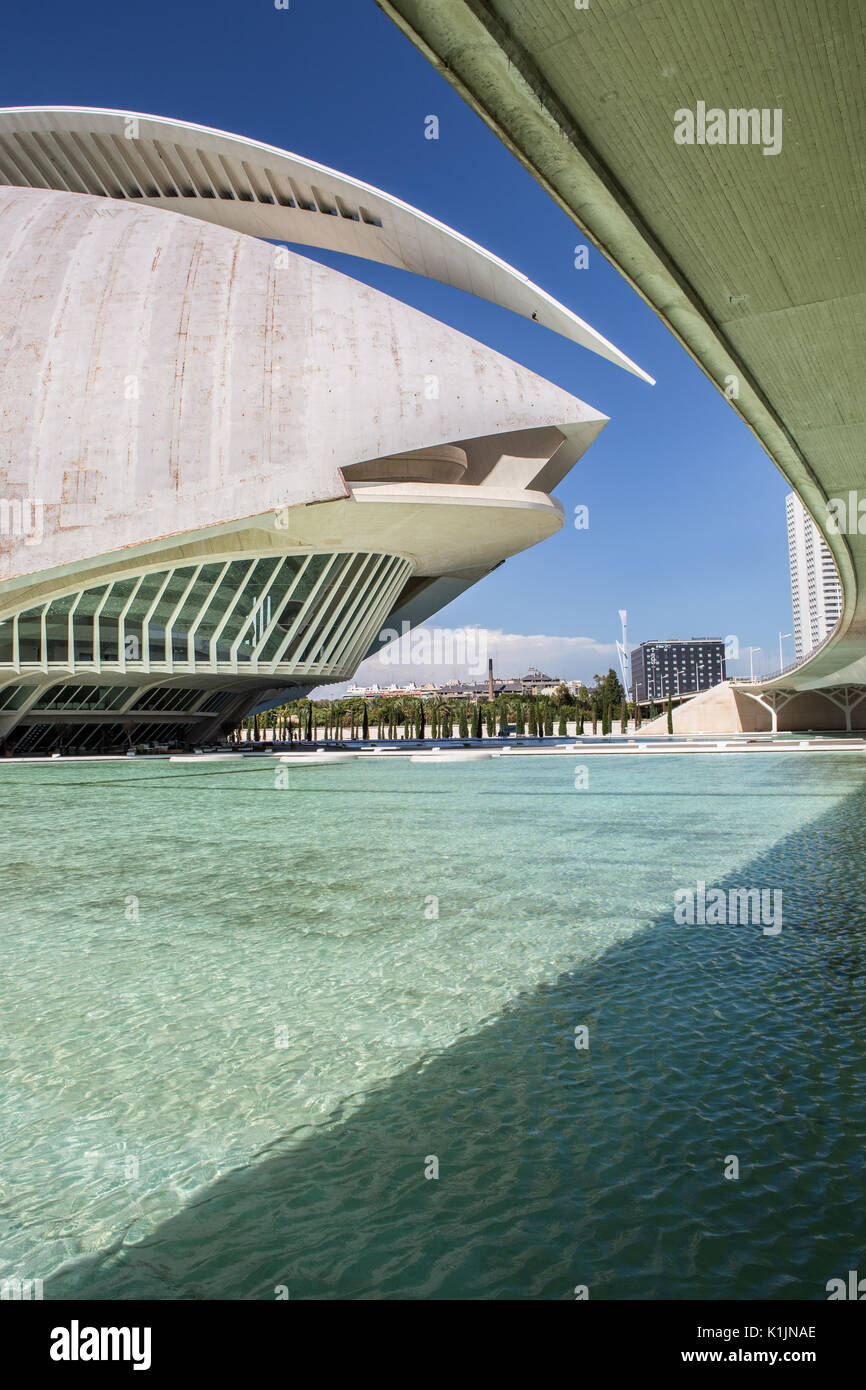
(164, 377)
(178, 404)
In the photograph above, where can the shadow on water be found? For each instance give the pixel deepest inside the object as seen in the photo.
(561, 1167)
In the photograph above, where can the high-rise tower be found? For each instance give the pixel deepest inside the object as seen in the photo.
(816, 593)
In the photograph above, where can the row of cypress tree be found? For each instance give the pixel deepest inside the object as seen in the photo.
(416, 719)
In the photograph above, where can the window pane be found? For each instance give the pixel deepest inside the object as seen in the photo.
(57, 627)
(30, 635)
(243, 611)
(221, 600)
(194, 601)
(163, 611)
(82, 623)
(114, 605)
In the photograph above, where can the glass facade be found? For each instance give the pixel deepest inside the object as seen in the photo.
(103, 653)
(296, 614)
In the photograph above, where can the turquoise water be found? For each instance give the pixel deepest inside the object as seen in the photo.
(239, 1019)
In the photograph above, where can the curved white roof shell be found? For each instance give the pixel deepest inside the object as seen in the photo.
(264, 192)
(164, 378)
(223, 464)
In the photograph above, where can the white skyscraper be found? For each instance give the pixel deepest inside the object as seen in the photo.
(815, 589)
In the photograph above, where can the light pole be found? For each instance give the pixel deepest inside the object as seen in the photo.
(653, 673)
(782, 636)
(752, 662)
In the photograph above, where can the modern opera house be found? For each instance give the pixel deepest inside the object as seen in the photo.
(227, 466)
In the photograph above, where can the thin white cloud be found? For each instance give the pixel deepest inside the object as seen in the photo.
(461, 654)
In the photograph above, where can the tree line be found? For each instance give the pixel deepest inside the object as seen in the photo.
(436, 717)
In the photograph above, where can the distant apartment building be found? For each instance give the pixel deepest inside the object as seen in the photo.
(816, 593)
(659, 669)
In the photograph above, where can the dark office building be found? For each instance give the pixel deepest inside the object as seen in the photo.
(676, 668)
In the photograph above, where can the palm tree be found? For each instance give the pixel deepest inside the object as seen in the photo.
(407, 710)
(436, 705)
(446, 729)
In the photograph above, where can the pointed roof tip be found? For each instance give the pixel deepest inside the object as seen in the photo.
(263, 191)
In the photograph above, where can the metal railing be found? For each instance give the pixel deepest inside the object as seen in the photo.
(785, 670)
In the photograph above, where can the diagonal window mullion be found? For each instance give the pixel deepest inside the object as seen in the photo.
(339, 560)
(330, 613)
(281, 609)
(375, 611)
(121, 624)
(233, 654)
(241, 589)
(365, 582)
(203, 611)
(145, 622)
(172, 618)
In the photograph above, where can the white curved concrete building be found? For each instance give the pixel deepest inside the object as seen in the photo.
(225, 466)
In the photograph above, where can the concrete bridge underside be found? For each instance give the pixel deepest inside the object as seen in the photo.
(746, 707)
(756, 262)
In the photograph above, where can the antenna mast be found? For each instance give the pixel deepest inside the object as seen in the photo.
(623, 652)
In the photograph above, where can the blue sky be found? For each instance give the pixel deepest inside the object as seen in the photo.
(687, 524)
